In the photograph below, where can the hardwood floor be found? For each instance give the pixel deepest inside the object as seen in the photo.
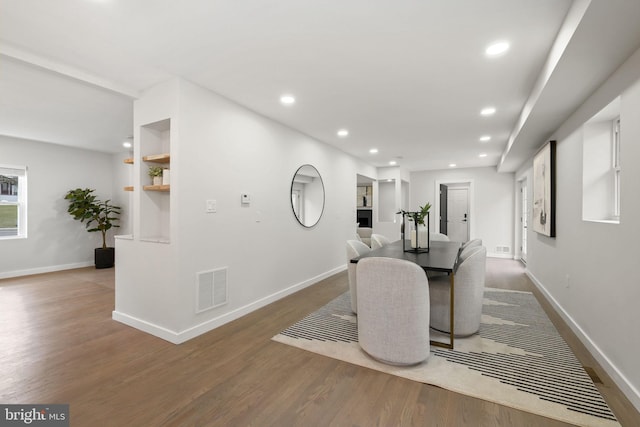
(60, 345)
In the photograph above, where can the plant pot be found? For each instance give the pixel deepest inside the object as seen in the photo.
(423, 237)
(157, 180)
(104, 258)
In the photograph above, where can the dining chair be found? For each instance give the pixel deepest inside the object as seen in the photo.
(472, 243)
(469, 282)
(378, 241)
(354, 249)
(364, 235)
(438, 237)
(393, 310)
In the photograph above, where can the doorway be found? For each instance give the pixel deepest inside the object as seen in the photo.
(524, 216)
(458, 213)
(455, 209)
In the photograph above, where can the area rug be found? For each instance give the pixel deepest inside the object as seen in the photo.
(518, 359)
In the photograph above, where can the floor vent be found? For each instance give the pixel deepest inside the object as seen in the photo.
(211, 289)
(592, 373)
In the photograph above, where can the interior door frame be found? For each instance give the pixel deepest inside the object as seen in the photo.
(472, 204)
(521, 212)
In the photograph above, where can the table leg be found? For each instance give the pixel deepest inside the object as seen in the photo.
(451, 316)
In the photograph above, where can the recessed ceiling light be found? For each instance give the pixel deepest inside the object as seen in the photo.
(393, 163)
(485, 138)
(287, 99)
(497, 48)
(373, 151)
(483, 155)
(343, 133)
(452, 165)
(127, 144)
(488, 111)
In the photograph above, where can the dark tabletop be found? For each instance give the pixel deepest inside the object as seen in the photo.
(442, 256)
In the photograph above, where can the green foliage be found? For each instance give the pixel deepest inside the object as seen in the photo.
(97, 215)
(8, 216)
(155, 171)
(418, 216)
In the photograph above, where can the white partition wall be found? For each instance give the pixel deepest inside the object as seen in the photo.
(199, 255)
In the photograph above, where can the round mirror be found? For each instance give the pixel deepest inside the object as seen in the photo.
(307, 195)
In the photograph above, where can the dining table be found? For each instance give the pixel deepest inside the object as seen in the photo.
(442, 256)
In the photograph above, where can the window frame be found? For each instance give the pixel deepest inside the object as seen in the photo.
(20, 203)
(615, 165)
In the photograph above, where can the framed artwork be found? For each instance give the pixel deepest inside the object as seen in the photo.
(544, 190)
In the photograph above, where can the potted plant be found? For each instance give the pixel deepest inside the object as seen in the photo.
(97, 215)
(155, 172)
(422, 230)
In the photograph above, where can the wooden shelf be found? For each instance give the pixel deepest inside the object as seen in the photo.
(128, 188)
(158, 158)
(164, 188)
(128, 161)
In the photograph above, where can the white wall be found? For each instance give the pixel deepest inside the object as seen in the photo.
(230, 150)
(55, 240)
(589, 270)
(492, 214)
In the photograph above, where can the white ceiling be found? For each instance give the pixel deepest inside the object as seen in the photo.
(407, 77)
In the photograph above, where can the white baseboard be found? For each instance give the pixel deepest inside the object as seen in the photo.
(144, 326)
(497, 255)
(617, 377)
(48, 269)
(199, 329)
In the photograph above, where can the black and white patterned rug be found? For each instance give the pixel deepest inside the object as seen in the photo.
(518, 359)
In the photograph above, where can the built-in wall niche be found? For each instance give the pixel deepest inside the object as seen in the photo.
(387, 200)
(601, 166)
(155, 149)
(364, 196)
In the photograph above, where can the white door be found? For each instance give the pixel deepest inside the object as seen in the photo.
(524, 215)
(458, 214)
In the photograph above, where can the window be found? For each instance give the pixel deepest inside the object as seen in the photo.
(13, 202)
(601, 166)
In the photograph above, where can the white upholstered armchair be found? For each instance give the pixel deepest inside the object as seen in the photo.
(354, 249)
(393, 310)
(364, 234)
(378, 241)
(438, 237)
(468, 294)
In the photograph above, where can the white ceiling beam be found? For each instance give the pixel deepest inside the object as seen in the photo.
(66, 70)
(568, 29)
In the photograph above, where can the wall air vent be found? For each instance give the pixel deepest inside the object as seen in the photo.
(211, 289)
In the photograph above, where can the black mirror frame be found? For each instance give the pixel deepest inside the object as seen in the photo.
(293, 180)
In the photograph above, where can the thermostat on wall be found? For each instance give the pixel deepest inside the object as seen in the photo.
(245, 198)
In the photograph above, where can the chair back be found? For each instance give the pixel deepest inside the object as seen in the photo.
(378, 241)
(393, 310)
(354, 249)
(469, 294)
(472, 243)
(438, 237)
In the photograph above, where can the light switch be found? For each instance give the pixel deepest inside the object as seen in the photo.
(211, 206)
